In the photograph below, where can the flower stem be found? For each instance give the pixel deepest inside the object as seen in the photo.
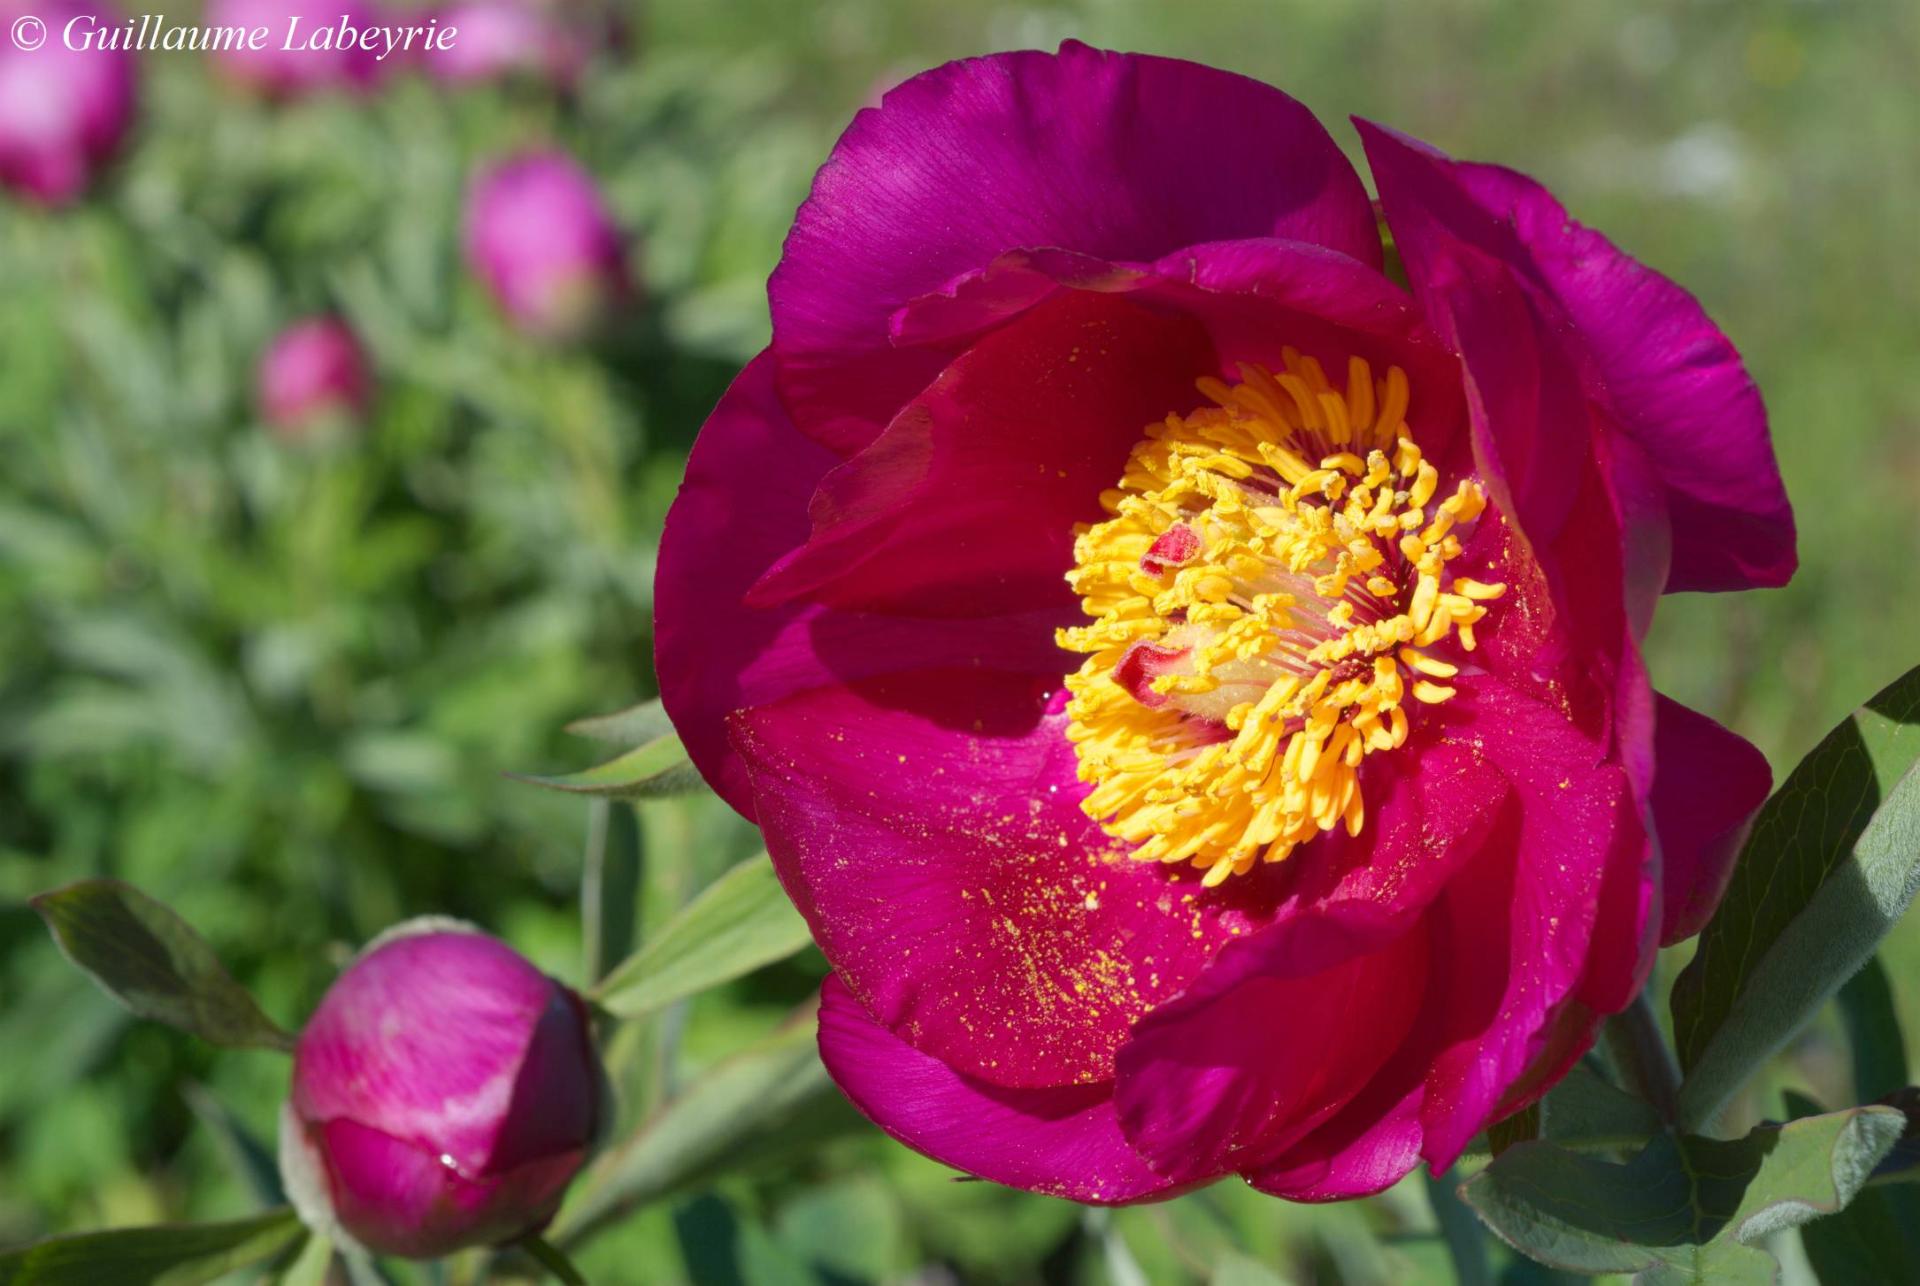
(1641, 1055)
(553, 1260)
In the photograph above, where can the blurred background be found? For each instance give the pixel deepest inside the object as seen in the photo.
(340, 406)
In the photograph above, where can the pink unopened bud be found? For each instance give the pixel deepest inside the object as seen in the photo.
(539, 236)
(63, 111)
(311, 45)
(497, 39)
(444, 1095)
(313, 369)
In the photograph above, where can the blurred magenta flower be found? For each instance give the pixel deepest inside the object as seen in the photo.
(496, 39)
(313, 368)
(1191, 683)
(444, 1095)
(63, 112)
(282, 73)
(540, 237)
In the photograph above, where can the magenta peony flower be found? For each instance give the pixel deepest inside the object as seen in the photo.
(63, 112)
(280, 72)
(444, 1095)
(496, 39)
(539, 236)
(314, 368)
(1191, 684)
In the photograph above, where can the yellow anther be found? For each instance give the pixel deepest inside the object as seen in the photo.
(1299, 623)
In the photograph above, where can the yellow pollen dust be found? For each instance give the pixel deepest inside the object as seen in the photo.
(1262, 600)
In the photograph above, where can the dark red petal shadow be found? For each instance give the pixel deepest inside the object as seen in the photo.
(1707, 786)
(743, 506)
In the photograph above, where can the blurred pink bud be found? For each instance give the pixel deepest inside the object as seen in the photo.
(62, 111)
(278, 71)
(540, 237)
(315, 367)
(496, 39)
(444, 1095)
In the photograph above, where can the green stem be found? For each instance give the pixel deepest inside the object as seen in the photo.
(552, 1260)
(1641, 1055)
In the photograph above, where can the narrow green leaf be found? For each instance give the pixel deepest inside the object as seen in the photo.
(1833, 862)
(152, 961)
(313, 1265)
(740, 922)
(168, 1255)
(553, 1259)
(1466, 1240)
(243, 1151)
(660, 767)
(634, 726)
(1684, 1209)
(610, 886)
(759, 1104)
(1873, 1033)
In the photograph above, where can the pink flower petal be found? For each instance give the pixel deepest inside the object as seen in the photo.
(742, 506)
(1063, 1141)
(928, 827)
(1263, 1048)
(966, 505)
(1117, 156)
(1708, 785)
(1673, 382)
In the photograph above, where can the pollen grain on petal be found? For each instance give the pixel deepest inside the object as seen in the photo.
(1262, 599)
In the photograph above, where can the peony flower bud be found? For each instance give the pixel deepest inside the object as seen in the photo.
(539, 236)
(444, 1094)
(63, 112)
(497, 39)
(281, 72)
(313, 368)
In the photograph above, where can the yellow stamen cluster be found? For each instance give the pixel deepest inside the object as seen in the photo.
(1262, 598)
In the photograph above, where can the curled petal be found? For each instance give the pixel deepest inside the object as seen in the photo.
(1117, 156)
(1061, 1140)
(1672, 381)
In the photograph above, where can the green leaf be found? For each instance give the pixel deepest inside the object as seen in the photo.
(609, 886)
(765, 1101)
(1875, 1239)
(313, 1265)
(1587, 1113)
(660, 767)
(152, 961)
(169, 1255)
(1466, 1241)
(1833, 862)
(1230, 1268)
(740, 922)
(1684, 1209)
(1873, 1032)
(633, 726)
(244, 1153)
(1520, 1127)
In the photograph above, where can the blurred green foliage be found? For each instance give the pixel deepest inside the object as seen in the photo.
(276, 683)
